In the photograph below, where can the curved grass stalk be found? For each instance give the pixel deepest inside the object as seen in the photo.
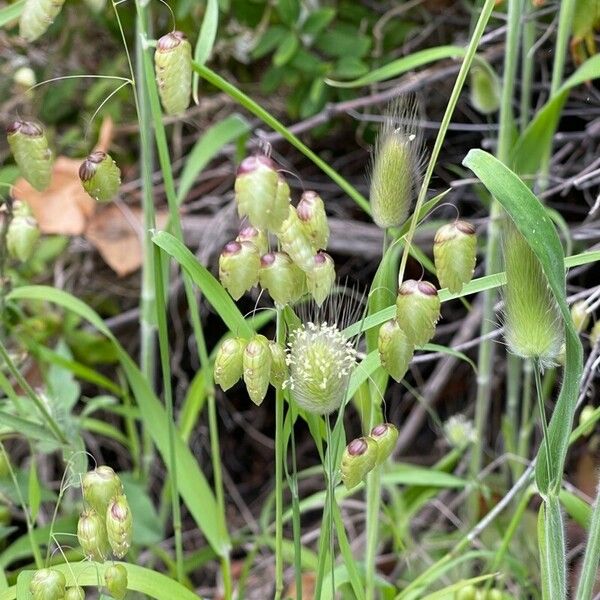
(589, 570)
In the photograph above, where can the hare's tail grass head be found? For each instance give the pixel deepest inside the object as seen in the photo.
(534, 328)
(397, 164)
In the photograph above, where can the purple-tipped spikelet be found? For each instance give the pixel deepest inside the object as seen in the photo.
(322, 277)
(173, 67)
(37, 16)
(360, 457)
(100, 486)
(311, 212)
(115, 578)
(295, 242)
(92, 535)
(229, 362)
(282, 278)
(321, 361)
(239, 264)
(397, 165)
(257, 368)
(417, 310)
(21, 237)
(256, 237)
(119, 525)
(395, 350)
(100, 176)
(47, 584)
(29, 146)
(261, 193)
(386, 436)
(533, 326)
(455, 254)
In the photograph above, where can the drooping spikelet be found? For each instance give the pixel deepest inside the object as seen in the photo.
(311, 212)
(47, 584)
(397, 162)
(92, 535)
(533, 328)
(21, 237)
(282, 278)
(321, 361)
(256, 237)
(417, 310)
(119, 525)
(257, 368)
(115, 578)
(37, 16)
(485, 89)
(173, 67)
(386, 436)
(279, 369)
(295, 242)
(322, 277)
(580, 316)
(239, 263)
(100, 486)
(229, 362)
(75, 593)
(100, 176)
(360, 456)
(395, 349)
(455, 254)
(29, 146)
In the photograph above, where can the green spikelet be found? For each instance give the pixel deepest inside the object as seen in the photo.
(279, 370)
(595, 334)
(585, 418)
(321, 361)
(322, 277)
(455, 254)
(173, 67)
(47, 584)
(261, 193)
(100, 176)
(21, 237)
(282, 278)
(417, 310)
(75, 593)
(100, 486)
(119, 525)
(494, 594)
(533, 328)
(229, 363)
(37, 16)
(92, 535)
(239, 264)
(257, 368)
(115, 578)
(580, 316)
(469, 592)
(311, 212)
(386, 436)
(295, 242)
(359, 457)
(29, 146)
(485, 89)
(395, 350)
(397, 162)
(256, 237)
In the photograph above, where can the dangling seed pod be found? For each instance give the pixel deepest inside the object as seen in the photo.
(397, 162)
(386, 436)
(468, 592)
(395, 350)
(115, 578)
(255, 236)
(173, 67)
(100, 486)
(119, 525)
(417, 310)
(239, 263)
(358, 459)
(485, 89)
(295, 242)
(257, 368)
(29, 146)
(321, 361)
(282, 278)
(279, 370)
(311, 212)
(581, 318)
(228, 363)
(47, 584)
(100, 176)
(455, 254)
(493, 594)
(585, 418)
(261, 193)
(533, 325)
(21, 237)
(92, 535)
(595, 334)
(322, 277)
(75, 593)
(37, 16)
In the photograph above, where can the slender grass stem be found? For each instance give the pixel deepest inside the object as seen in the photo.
(526, 421)
(589, 570)
(330, 493)
(279, 457)
(7, 204)
(542, 410)
(527, 68)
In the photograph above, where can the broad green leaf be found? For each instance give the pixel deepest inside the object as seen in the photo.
(289, 11)
(576, 508)
(194, 488)
(11, 12)
(218, 298)
(26, 428)
(286, 49)
(269, 41)
(206, 40)
(317, 20)
(207, 146)
(532, 221)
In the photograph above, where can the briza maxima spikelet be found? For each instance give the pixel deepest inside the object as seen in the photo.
(386, 436)
(115, 578)
(119, 525)
(417, 310)
(360, 457)
(321, 278)
(47, 584)
(29, 146)
(229, 362)
(395, 350)
(37, 16)
(311, 212)
(92, 535)
(100, 486)
(100, 176)
(257, 368)
(455, 254)
(239, 264)
(282, 278)
(173, 67)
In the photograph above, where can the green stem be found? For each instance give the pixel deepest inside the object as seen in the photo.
(331, 494)
(441, 136)
(279, 456)
(37, 401)
(163, 342)
(542, 411)
(526, 421)
(4, 286)
(527, 69)
(589, 570)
